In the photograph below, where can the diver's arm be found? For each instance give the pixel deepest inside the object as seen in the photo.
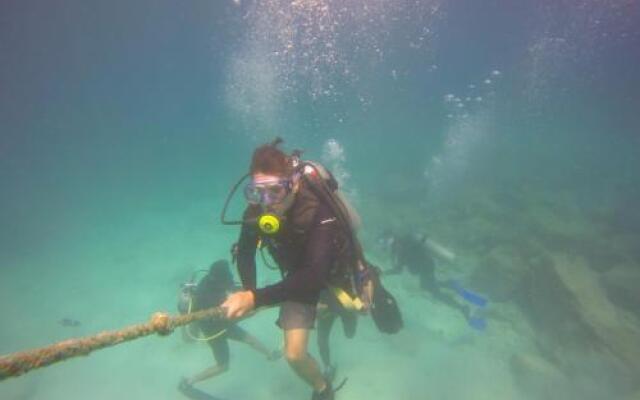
(247, 256)
(305, 284)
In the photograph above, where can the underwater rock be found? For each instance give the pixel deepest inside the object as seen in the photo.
(615, 329)
(500, 275)
(573, 315)
(622, 285)
(550, 305)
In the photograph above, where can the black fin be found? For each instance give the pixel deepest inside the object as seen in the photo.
(195, 394)
(384, 309)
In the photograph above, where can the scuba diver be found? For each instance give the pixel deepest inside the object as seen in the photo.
(417, 253)
(296, 213)
(210, 291)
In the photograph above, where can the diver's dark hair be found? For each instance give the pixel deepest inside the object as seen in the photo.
(270, 159)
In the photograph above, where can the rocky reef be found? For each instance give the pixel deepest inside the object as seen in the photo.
(572, 271)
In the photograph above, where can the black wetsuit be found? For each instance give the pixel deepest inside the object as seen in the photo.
(308, 250)
(210, 293)
(412, 253)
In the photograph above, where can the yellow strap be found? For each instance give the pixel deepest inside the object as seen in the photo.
(348, 302)
(201, 339)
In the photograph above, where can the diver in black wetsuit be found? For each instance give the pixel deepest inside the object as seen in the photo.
(294, 212)
(211, 291)
(307, 248)
(411, 251)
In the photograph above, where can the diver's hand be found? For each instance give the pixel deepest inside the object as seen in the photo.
(238, 304)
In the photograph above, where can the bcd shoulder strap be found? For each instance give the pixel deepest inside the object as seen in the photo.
(384, 308)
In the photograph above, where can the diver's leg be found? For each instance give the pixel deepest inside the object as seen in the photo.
(429, 283)
(450, 301)
(325, 323)
(238, 334)
(297, 320)
(349, 323)
(220, 349)
(296, 343)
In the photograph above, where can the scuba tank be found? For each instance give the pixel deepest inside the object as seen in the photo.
(185, 297)
(312, 168)
(364, 278)
(439, 250)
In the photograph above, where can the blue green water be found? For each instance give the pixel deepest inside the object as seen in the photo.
(508, 132)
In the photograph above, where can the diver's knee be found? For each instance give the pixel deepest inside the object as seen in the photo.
(295, 355)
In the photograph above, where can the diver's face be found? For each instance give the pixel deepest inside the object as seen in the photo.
(273, 191)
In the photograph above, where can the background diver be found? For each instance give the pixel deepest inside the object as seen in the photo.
(294, 212)
(211, 291)
(417, 253)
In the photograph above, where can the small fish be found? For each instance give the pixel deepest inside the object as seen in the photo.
(68, 322)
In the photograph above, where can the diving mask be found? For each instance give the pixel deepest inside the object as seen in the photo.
(268, 192)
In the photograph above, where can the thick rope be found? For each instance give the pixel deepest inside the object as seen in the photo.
(16, 364)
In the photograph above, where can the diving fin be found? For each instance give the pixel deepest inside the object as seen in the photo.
(194, 394)
(478, 323)
(385, 311)
(471, 297)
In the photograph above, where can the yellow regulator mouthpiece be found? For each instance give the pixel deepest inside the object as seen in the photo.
(269, 224)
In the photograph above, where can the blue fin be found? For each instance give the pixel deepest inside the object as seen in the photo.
(478, 323)
(471, 297)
